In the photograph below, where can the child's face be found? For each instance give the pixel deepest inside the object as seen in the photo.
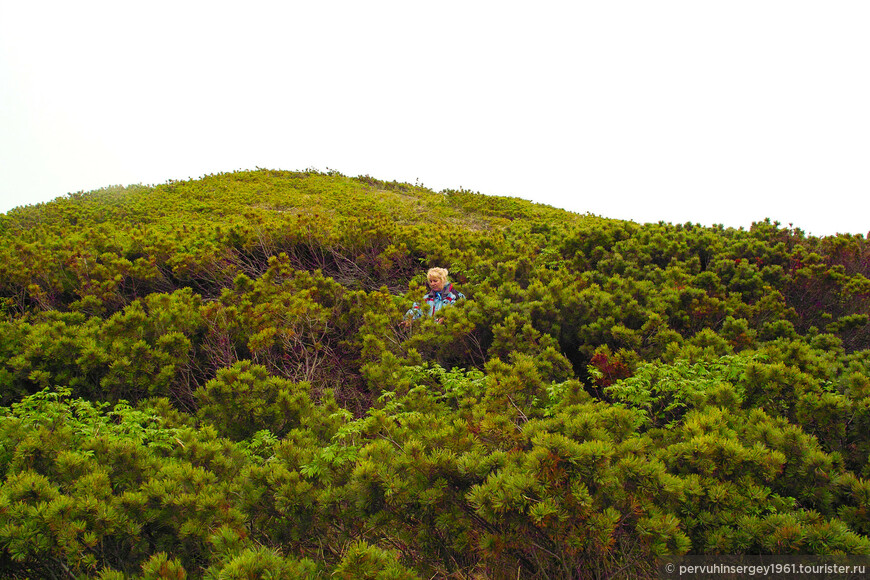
(436, 284)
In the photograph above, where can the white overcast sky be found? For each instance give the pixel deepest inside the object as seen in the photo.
(711, 112)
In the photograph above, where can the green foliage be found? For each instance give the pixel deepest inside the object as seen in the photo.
(371, 563)
(665, 392)
(262, 563)
(212, 379)
(244, 399)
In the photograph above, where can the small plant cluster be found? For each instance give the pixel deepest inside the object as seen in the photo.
(211, 379)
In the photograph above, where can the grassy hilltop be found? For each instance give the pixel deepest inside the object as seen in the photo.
(210, 379)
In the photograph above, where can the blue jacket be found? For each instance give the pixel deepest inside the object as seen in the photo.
(434, 301)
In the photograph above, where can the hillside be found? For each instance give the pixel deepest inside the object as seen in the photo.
(211, 379)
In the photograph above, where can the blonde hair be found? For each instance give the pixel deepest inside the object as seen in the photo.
(439, 273)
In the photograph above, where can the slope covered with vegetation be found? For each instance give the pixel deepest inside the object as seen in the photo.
(210, 379)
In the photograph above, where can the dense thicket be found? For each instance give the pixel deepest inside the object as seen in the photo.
(210, 379)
